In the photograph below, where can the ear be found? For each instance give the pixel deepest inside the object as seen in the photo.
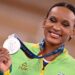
(71, 35)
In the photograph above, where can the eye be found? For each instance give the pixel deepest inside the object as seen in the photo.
(65, 23)
(53, 19)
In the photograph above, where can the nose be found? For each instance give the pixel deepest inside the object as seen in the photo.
(57, 26)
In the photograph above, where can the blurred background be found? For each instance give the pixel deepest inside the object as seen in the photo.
(25, 18)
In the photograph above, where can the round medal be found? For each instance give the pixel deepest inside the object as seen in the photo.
(12, 44)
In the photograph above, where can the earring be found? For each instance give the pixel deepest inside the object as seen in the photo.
(69, 38)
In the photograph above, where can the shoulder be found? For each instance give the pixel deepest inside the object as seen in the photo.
(68, 58)
(71, 59)
(69, 63)
(34, 47)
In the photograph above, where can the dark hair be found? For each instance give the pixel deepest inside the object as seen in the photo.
(62, 4)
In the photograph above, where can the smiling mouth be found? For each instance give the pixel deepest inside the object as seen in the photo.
(54, 34)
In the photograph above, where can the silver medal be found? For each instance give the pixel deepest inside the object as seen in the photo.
(12, 44)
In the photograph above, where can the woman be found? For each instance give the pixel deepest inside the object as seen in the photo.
(51, 58)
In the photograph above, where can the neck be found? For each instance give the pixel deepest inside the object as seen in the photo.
(50, 48)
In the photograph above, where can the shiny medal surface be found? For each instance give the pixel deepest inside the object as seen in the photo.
(12, 44)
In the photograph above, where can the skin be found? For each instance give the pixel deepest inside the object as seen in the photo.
(5, 60)
(58, 28)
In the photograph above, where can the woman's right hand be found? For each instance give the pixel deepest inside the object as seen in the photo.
(5, 60)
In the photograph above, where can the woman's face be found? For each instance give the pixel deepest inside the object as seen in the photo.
(58, 26)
